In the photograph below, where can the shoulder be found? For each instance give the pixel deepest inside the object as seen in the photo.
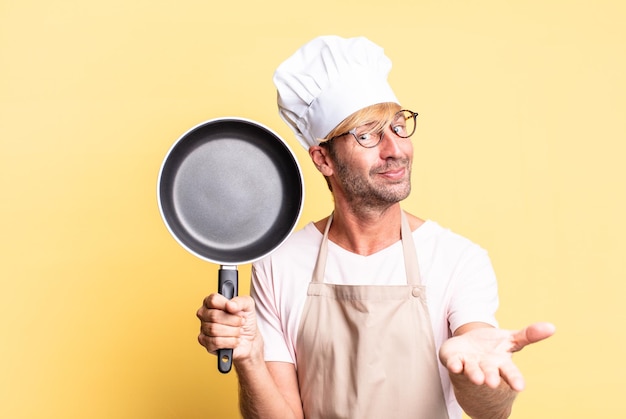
(445, 247)
(431, 231)
(309, 237)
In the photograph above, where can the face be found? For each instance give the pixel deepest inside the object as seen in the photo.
(372, 177)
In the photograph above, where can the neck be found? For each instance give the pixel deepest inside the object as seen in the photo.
(365, 232)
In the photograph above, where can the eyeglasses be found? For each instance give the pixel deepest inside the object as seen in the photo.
(402, 125)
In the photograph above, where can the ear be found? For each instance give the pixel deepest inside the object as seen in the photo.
(321, 160)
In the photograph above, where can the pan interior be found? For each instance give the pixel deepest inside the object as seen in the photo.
(231, 191)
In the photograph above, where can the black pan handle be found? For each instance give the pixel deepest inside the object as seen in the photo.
(227, 286)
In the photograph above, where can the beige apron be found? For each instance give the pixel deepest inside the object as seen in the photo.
(368, 351)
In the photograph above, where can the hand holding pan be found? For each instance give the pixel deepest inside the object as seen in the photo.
(230, 191)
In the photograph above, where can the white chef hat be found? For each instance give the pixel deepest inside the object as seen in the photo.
(327, 80)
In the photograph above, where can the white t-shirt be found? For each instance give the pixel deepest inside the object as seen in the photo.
(458, 275)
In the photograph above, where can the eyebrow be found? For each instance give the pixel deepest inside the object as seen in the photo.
(367, 126)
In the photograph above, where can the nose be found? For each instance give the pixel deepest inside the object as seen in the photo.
(391, 146)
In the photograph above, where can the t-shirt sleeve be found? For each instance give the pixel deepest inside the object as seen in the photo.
(475, 295)
(268, 314)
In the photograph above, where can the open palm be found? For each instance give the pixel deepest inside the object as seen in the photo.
(484, 355)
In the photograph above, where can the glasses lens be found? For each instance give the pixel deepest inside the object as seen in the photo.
(366, 135)
(404, 123)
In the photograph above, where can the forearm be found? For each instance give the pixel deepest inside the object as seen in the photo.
(483, 402)
(259, 395)
(267, 390)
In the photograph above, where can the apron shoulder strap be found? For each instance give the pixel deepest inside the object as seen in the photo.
(410, 253)
(320, 265)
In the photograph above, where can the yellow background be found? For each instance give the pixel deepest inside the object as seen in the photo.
(520, 147)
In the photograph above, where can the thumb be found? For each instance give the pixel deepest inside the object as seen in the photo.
(534, 333)
(239, 304)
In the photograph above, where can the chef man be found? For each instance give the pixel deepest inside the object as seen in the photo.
(371, 312)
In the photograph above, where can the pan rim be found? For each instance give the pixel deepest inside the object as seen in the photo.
(235, 119)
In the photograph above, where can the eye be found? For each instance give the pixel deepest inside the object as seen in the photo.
(399, 128)
(364, 137)
(365, 133)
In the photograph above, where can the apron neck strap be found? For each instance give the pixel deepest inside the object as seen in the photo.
(408, 247)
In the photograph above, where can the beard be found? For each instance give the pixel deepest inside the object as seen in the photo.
(371, 191)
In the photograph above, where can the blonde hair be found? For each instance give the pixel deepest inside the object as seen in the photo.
(378, 114)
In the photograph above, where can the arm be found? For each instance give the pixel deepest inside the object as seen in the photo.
(484, 377)
(267, 390)
(257, 399)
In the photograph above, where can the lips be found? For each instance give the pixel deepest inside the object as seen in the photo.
(392, 171)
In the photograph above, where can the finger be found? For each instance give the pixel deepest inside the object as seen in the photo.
(492, 375)
(539, 331)
(212, 344)
(455, 365)
(474, 372)
(237, 305)
(531, 334)
(218, 316)
(214, 336)
(220, 329)
(213, 316)
(216, 301)
(512, 376)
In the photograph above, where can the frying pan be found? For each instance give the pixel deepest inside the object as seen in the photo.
(230, 191)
